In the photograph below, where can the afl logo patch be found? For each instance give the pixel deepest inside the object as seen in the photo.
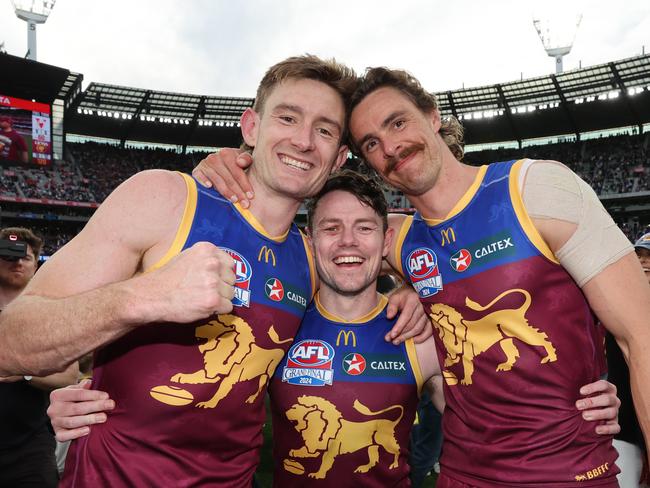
(243, 273)
(309, 363)
(422, 267)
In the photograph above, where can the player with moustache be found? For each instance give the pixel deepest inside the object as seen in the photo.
(516, 302)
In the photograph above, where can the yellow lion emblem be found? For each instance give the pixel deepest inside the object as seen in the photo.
(230, 356)
(327, 434)
(466, 339)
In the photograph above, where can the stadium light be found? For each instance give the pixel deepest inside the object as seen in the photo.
(33, 12)
(557, 38)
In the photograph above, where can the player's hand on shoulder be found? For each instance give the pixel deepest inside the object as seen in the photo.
(75, 408)
(195, 284)
(600, 403)
(412, 321)
(225, 171)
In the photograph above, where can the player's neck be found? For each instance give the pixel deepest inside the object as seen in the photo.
(454, 180)
(348, 307)
(275, 212)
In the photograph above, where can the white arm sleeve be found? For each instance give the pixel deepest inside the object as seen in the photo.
(550, 190)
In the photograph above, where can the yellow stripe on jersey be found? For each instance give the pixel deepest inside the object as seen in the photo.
(399, 241)
(312, 266)
(184, 227)
(522, 215)
(464, 201)
(360, 320)
(250, 218)
(415, 365)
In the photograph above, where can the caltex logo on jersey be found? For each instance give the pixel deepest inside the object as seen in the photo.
(354, 364)
(309, 363)
(422, 267)
(274, 289)
(461, 260)
(243, 273)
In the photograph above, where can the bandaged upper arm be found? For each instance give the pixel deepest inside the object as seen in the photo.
(550, 190)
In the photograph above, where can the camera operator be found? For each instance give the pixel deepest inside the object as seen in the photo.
(26, 440)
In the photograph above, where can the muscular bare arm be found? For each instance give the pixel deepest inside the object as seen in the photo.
(620, 297)
(93, 290)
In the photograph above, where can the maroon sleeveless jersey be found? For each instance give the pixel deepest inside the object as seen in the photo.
(516, 340)
(190, 397)
(343, 402)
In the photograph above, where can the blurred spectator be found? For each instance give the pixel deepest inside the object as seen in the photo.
(26, 438)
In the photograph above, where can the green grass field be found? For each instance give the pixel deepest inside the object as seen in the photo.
(265, 470)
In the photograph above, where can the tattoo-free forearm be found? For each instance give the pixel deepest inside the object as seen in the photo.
(40, 335)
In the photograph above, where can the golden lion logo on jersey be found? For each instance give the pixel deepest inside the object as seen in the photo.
(231, 356)
(466, 339)
(327, 434)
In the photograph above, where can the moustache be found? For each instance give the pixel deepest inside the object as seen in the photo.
(392, 161)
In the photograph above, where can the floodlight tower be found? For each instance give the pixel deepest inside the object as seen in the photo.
(33, 12)
(559, 47)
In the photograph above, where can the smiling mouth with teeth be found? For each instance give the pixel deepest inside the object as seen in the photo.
(294, 163)
(348, 260)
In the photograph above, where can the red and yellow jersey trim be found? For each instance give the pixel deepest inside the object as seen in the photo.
(184, 226)
(522, 215)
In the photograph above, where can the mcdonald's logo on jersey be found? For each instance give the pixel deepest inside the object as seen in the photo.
(267, 253)
(448, 236)
(348, 337)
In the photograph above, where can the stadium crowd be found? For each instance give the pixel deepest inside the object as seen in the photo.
(611, 165)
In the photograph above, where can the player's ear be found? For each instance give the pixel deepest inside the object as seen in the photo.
(388, 241)
(341, 157)
(434, 116)
(250, 123)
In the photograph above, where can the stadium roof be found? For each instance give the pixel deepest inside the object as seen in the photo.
(30, 80)
(611, 95)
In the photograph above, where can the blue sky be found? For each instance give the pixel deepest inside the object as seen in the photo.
(222, 47)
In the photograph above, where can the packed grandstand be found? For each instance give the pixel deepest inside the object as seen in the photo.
(595, 120)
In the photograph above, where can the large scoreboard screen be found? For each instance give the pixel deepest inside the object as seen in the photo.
(25, 131)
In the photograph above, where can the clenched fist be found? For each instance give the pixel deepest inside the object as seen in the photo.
(196, 283)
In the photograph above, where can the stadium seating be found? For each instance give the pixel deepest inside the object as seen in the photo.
(611, 165)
